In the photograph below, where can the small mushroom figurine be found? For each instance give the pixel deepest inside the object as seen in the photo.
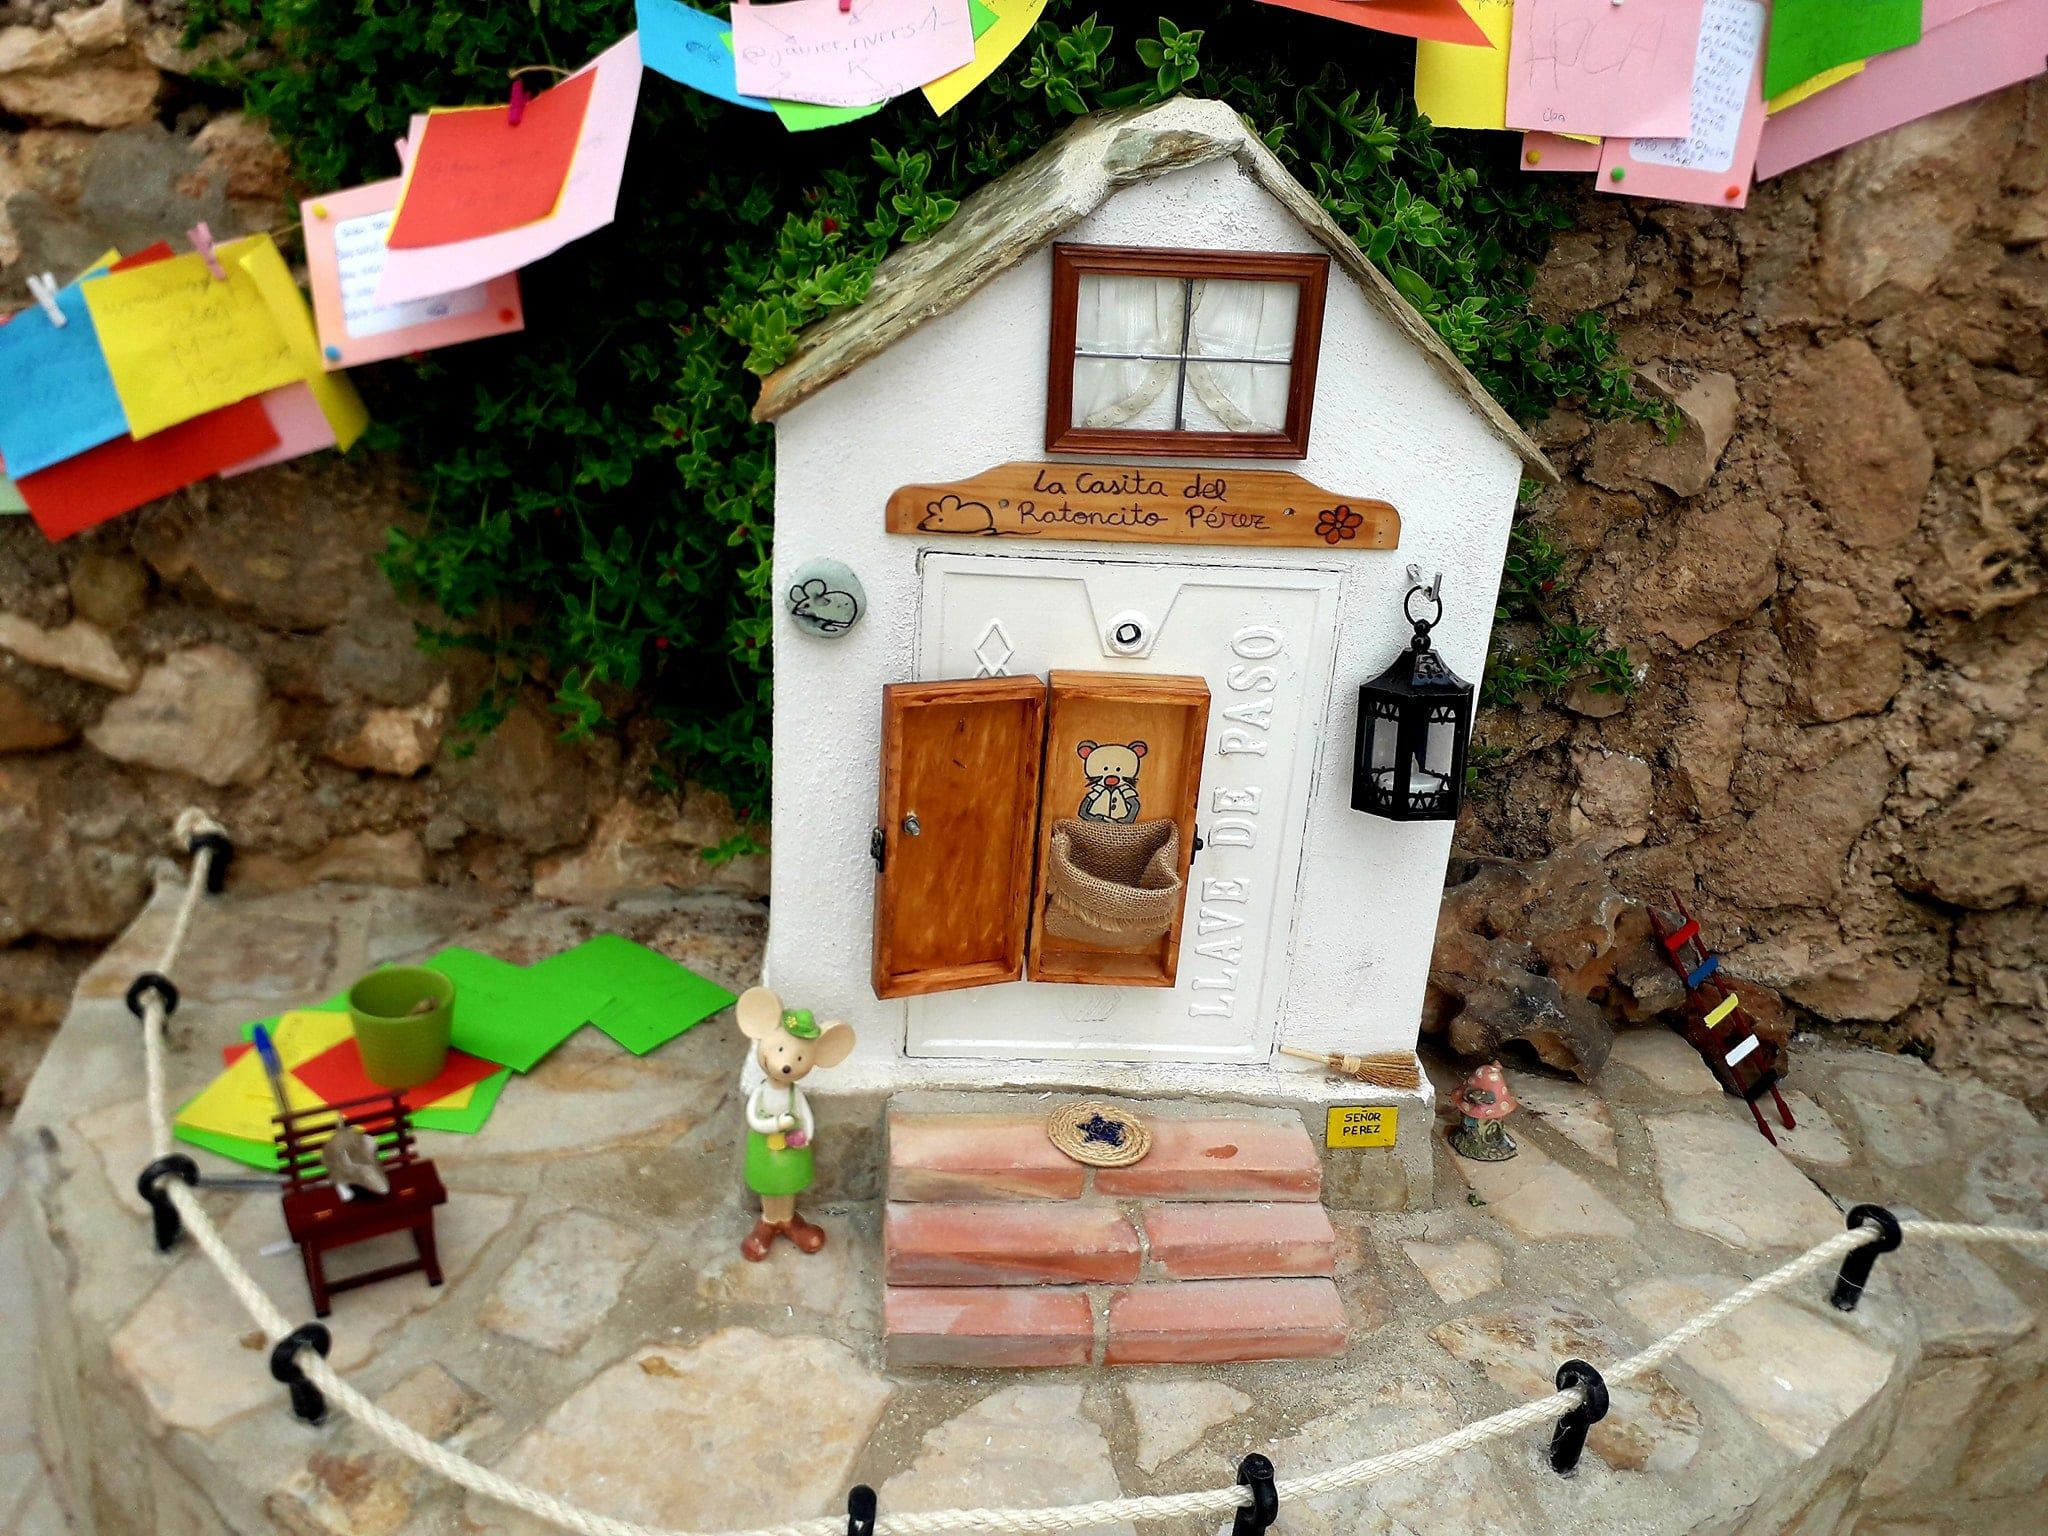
(1485, 1102)
(787, 1044)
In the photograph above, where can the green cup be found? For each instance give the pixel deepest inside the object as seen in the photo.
(402, 1048)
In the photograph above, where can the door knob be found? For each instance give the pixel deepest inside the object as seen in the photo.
(910, 826)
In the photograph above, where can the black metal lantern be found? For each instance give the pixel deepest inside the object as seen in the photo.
(1414, 725)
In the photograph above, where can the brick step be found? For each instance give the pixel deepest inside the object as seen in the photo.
(992, 1157)
(1211, 1321)
(1091, 1242)
(1191, 1322)
(1070, 1243)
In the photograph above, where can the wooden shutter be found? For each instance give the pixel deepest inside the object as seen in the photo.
(1170, 715)
(960, 763)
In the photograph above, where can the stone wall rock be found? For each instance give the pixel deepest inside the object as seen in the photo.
(1843, 618)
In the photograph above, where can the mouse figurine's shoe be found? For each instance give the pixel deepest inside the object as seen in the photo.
(788, 1044)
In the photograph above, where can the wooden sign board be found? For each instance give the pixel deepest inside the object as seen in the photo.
(1146, 504)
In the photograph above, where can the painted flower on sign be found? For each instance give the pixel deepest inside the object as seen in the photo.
(1338, 524)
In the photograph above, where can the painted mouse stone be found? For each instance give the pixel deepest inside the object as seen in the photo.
(786, 1044)
(825, 597)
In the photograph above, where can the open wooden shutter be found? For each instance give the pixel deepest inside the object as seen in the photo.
(958, 827)
(1167, 720)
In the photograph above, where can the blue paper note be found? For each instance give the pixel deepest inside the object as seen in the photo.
(56, 397)
(690, 46)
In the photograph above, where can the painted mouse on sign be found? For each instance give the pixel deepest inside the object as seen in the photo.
(1112, 793)
(787, 1045)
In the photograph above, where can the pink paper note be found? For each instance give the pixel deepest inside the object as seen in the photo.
(1548, 152)
(1594, 67)
(301, 427)
(1981, 51)
(590, 197)
(1714, 164)
(345, 260)
(875, 50)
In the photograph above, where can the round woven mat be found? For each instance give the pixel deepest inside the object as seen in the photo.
(1098, 1134)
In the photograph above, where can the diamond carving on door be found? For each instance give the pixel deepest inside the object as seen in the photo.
(993, 650)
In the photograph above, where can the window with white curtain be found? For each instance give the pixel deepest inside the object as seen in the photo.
(1183, 351)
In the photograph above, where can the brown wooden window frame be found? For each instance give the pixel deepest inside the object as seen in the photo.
(1070, 263)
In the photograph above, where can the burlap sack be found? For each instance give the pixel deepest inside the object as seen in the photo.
(1110, 884)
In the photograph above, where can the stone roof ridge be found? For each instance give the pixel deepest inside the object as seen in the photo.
(1002, 223)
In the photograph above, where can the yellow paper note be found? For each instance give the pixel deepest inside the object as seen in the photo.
(239, 1102)
(459, 1099)
(1014, 20)
(1461, 86)
(335, 395)
(308, 1032)
(106, 260)
(181, 342)
(1815, 86)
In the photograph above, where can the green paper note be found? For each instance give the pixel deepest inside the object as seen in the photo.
(1809, 37)
(483, 1098)
(652, 999)
(507, 1013)
(257, 1154)
(981, 17)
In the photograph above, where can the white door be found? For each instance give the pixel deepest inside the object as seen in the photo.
(1264, 639)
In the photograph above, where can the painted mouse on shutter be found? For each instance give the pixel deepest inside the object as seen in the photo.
(787, 1044)
(1112, 793)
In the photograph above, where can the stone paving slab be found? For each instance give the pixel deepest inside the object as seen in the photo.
(600, 1334)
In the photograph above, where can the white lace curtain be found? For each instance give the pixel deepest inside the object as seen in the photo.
(1169, 354)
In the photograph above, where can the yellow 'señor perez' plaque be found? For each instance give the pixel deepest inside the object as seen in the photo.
(1146, 504)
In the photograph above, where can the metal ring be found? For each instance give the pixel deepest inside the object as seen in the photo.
(152, 981)
(1435, 597)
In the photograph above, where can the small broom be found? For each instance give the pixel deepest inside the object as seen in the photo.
(1383, 1069)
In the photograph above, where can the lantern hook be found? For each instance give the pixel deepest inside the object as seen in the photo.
(1433, 590)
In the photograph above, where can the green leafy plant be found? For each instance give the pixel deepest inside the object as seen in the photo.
(598, 504)
(1562, 653)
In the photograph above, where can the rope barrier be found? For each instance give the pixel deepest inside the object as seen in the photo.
(298, 1356)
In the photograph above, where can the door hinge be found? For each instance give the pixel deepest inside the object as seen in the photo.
(878, 848)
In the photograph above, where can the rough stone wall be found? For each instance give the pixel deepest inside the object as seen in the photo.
(1839, 751)
(236, 646)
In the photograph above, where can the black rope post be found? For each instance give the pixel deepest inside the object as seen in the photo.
(223, 856)
(164, 1215)
(861, 1509)
(1256, 1473)
(1569, 1438)
(307, 1401)
(161, 985)
(1858, 1262)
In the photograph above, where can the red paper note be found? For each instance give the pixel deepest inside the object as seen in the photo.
(337, 1075)
(474, 174)
(1442, 21)
(120, 476)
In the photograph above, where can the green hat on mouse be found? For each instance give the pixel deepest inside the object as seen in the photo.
(798, 1022)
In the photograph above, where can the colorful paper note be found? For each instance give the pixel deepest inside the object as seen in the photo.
(1985, 50)
(239, 1103)
(336, 1075)
(332, 392)
(804, 116)
(1443, 21)
(474, 173)
(57, 398)
(1011, 23)
(301, 426)
(1809, 36)
(689, 46)
(467, 1118)
(255, 1154)
(1457, 86)
(1715, 163)
(1593, 67)
(10, 498)
(345, 260)
(510, 1014)
(871, 52)
(181, 342)
(590, 197)
(1555, 152)
(120, 476)
(650, 998)
(1813, 87)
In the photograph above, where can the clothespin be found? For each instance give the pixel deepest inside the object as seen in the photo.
(516, 112)
(43, 289)
(845, 6)
(202, 242)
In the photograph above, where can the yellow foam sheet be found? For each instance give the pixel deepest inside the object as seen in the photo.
(1014, 21)
(335, 395)
(1461, 86)
(1815, 86)
(180, 342)
(239, 1102)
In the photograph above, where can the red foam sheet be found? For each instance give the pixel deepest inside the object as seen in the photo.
(118, 477)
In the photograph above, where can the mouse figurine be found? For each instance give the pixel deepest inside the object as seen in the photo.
(787, 1044)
